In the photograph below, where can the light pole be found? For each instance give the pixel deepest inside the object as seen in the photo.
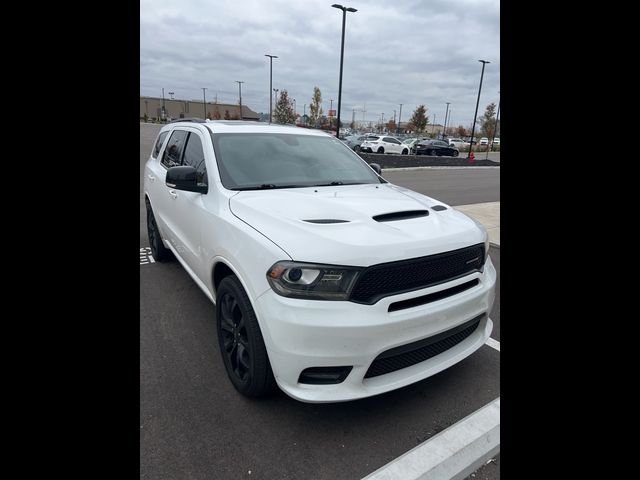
(433, 126)
(344, 20)
(163, 109)
(204, 102)
(446, 115)
(304, 113)
(473, 125)
(295, 113)
(399, 117)
(382, 122)
(271, 57)
(240, 93)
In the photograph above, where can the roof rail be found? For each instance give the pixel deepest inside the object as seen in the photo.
(194, 120)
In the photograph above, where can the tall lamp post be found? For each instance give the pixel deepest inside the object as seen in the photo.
(344, 20)
(163, 109)
(399, 119)
(240, 94)
(271, 57)
(204, 101)
(446, 115)
(473, 125)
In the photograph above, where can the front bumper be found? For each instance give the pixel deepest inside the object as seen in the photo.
(302, 334)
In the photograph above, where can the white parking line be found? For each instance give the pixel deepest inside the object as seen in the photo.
(454, 453)
(145, 256)
(493, 343)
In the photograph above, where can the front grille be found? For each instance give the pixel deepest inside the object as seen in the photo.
(406, 355)
(392, 278)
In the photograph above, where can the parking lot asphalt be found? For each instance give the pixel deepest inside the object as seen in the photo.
(194, 425)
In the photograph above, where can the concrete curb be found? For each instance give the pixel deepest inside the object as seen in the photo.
(493, 244)
(454, 453)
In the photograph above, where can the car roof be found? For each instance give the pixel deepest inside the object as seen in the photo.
(245, 126)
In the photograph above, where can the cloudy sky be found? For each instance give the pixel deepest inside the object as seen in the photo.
(404, 51)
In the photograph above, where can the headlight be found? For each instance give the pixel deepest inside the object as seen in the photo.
(312, 281)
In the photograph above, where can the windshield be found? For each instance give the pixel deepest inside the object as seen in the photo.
(255, 161)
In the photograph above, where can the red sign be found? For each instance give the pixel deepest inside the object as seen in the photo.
(332, 113)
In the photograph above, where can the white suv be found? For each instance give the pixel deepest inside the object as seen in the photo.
(328, 280)
(384, 144)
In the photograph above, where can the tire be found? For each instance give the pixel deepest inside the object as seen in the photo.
(433, 153)
(158, 250)
(456, 153)
(241, 344)
(381, 150)
(405, 151)
(356, 148)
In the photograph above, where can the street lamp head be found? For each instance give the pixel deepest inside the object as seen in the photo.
(335, 5)
(484, 61)
(351, 9)
(271, 56)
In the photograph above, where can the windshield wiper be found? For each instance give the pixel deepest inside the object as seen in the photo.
(337, 182)
(268, 186)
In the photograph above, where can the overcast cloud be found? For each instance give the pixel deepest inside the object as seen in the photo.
(409, 52)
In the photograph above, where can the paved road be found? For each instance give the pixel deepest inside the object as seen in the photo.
(454, 186)
(193, 424)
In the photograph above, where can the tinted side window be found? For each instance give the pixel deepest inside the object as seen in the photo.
(156, 149)
(194, 157)
(173, 152)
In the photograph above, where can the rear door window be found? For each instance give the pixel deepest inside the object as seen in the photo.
(159, 142)
(173, 153)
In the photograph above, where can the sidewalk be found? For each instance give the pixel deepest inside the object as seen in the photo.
(488, 214)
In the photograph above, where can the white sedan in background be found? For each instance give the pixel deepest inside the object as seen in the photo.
(384, 144)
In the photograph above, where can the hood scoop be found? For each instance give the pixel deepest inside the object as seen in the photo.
(406, 215)
(326, 221)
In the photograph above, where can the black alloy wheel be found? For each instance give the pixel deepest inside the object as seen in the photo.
(241, 343)
(405, 151)
(456, 153)
(159, 252)
(380, 150)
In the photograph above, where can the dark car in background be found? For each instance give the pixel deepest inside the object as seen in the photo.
(436, 148)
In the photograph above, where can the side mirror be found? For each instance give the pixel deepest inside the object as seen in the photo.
(185, 178)
(376, 167)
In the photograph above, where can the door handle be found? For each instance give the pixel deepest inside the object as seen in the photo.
(173, 194)
(152, 178)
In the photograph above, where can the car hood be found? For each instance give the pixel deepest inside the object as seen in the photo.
(283, 216)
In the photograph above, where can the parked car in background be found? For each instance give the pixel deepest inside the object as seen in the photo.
(354, 141)
(436, 148)
(484, 141)
(496, 141)
(411, 143)
(384, 144)
(457, 142)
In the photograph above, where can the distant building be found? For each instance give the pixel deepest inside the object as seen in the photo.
(152, 106)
